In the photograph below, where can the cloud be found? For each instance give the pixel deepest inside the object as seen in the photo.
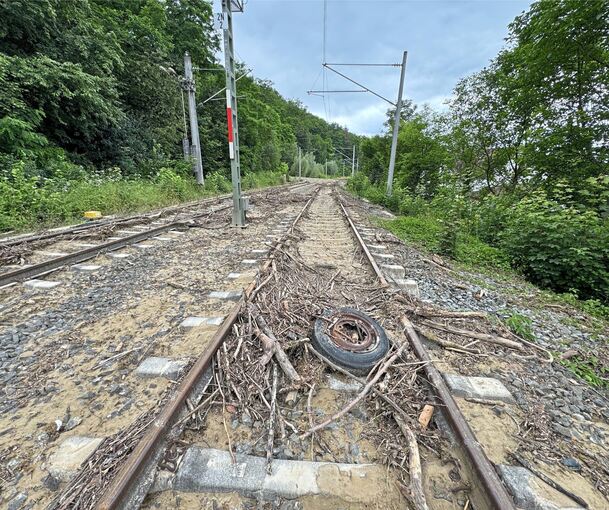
(282, 40)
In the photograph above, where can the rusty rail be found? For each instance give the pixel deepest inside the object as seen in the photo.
(364, 248)
(84, 227)
(42, 268)
(131, 471)
(494, 494)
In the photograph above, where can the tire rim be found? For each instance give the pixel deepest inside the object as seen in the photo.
(352, 333)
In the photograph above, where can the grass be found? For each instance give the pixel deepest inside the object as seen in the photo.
(427, 232)
(62, 203)
(589, 368)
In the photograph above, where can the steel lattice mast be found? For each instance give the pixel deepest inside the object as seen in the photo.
(231, 110)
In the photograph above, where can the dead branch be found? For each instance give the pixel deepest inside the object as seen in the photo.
(376, 391)
(271, 346)
(362, 394)
(447, 344)
(485, 337)
(271, 436)
(416, 474)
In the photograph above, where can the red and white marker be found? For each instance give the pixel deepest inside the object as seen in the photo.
(229, 118)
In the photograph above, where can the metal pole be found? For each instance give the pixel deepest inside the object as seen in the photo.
(195, 144)
(353, 163)
(326, 168)
(231, 115)
(396, 127)
(299, 162)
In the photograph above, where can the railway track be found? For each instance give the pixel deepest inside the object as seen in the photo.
(155, 225)
(87, 227)
(232, 424)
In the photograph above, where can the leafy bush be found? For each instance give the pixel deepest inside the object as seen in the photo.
(559, 246)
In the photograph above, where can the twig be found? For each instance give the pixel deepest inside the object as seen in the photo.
(310, 415)
(376, 391)
(416, 475)
(361, 395)
(271, 436)
(485, 337)
(549, 481)
(272, 347)
(447, 344)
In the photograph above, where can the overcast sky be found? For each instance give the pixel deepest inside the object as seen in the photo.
(282, 40)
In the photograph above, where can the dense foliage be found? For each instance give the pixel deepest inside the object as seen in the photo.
(520, 160)
(90, 96)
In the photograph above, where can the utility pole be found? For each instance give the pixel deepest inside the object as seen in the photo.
(195, 143)
(231, 110)
(396, 127)
(299, 162)
(353, 163)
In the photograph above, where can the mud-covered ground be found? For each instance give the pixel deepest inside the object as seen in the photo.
(67, 355)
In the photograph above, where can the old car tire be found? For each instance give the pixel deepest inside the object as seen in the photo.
(358, 363)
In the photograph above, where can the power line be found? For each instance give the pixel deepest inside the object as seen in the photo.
(363, 64)
(327, 66)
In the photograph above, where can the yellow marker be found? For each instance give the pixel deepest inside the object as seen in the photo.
(92, 215)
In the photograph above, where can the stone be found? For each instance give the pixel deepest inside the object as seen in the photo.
(197, 322)
(485, 388)
(72, 452)
(383, 256)
(17, 502)
(211, 470)
(410, 286)
(337, 384)
(231, 295)
(249, 262)
(51, 483)
(562, 430)
(40, 284)
(393, 271)
(291, 397)
(85, 268)
(233, 276)
(73, 422)
(160, 367)
(531, 493)
(571, 463)
(260, 252)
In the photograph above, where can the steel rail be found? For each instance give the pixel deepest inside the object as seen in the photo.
(42, 268)
(131, 472)
(494, 494)
(364, 248)
(45, 267)
(84, 227)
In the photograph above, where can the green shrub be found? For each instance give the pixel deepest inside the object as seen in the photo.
(559, 246)
(589, 368)
(476, 253)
